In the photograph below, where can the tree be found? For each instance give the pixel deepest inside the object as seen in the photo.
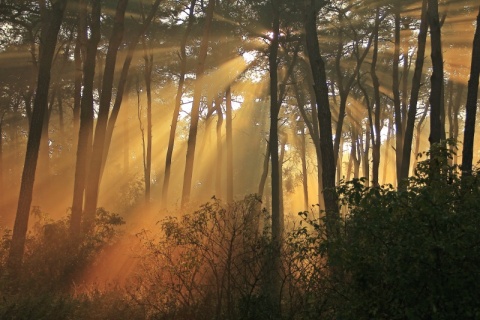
(49, 41)
(84, 145)
(416, 82)
(197, 94)
(93, 177)
(324, 118)
(178, 101)
(436, 92)
(471, 108)
(229, 134)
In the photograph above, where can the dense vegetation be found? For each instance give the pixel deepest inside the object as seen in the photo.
(410, 254)
(153, 154)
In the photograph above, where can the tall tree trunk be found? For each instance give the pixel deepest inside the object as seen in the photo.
(396, 96)
(84, 145)
(93, 178)
(471, 108)
(376, 137)
(148, 59)
(178, 101)
(229, 136)
(416, 83)
(2, 196)
(79, 58)
(456, 111)
(324, 118)
(366, 157)
(194, 115)
(218, 171)
(263, 177)
(387, 149)
(277, 224)
(436, 93)
(122, 82)
(303, 157)
(49, 37)
(418, 133)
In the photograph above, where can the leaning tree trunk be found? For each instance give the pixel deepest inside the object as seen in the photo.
(49, 37)
(471, 108)
(93, 178)
(84, 145)
(105, 130)
(178, 102)
(412, 108)
(197, 95)
(324, 118)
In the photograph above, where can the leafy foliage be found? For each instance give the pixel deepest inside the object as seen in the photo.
(410, 254)
(209, 262)
(52, 260)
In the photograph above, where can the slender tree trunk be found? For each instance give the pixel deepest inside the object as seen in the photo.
(416, 82)
(178, 101)
(84, 145)
(366, 156)
(274, 260)
(148, 59)
(2, 187)
(49, 37)
(263, 177)
(126, 135)
(456, 111)
(324, 118)
(229, 137)
(436, 93)
(79, 58)
(194, 115)
(303, 157)
(396, 97)
(340, 160)
(418, 134)
(93, 178)
(387, 149)
(122, 82)
(375, 121)
(471, 108)
(218, 171)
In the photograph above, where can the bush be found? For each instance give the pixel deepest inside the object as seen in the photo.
(51, 261)
(409, 254)
(207, 264)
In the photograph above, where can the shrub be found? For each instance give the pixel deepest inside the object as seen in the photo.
(207, 264)
(408, 254)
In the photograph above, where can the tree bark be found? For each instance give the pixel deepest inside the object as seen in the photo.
(84, 145)
(396, 97)
(436, 93)
(93, 178)
(416, 83)
(218, 171)
(178, 101)
(49, 35)
(194, 115)
(324, 118)
(471, 108)
(148, 59)
(229, 136)
(273, 262)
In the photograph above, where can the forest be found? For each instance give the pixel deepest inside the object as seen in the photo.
(239, 159)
